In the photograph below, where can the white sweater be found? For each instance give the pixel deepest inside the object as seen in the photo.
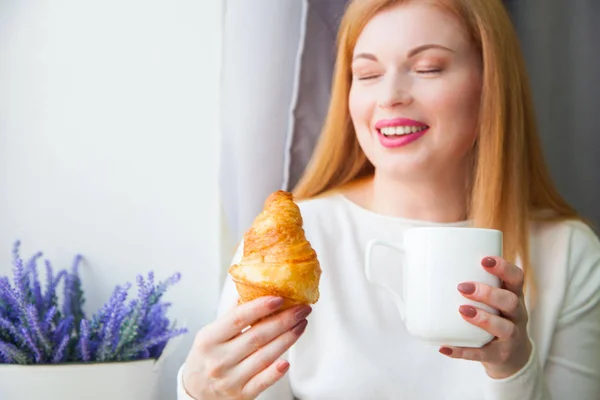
(356, 346)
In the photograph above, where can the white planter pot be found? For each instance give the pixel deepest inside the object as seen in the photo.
(134, 380)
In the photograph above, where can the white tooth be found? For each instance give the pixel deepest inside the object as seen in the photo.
(400, 130)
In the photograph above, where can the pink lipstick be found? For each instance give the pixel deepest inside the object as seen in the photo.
(399, 132)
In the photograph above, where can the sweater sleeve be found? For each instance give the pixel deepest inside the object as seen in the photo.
(280, 390)
(572, 370)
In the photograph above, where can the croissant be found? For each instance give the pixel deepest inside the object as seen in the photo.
(277, 259)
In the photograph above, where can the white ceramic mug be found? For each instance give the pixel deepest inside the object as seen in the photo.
(434, 261)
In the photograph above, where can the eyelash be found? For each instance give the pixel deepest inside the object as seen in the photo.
(366, 78)
(430, 71)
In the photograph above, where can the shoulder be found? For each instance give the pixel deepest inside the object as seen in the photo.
(573, 239)
(320, 207)
(583, 261)
(569, 251)
(334, 202)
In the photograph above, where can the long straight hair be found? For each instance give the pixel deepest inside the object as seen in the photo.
(510, 181)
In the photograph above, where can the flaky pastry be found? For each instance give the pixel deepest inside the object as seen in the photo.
(277, 259)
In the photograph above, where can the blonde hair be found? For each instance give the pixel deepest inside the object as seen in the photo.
(510, 180)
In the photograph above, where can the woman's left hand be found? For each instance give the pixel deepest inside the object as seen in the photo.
(509, 351)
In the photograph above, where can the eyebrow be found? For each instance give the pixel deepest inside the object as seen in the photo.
(411, 53)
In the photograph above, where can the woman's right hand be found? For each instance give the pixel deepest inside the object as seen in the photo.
(225, 363)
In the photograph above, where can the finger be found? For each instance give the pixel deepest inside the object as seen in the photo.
(465, 353)
(265, 379)
(262, 333)
(507, 302)
(512, 276)
(240, 317)
(496, 325)
(493, 352)
(262, 359)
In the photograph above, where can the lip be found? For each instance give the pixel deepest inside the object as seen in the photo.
(384, 123)
(399, 141)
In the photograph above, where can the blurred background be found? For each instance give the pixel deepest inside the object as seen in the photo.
(146, 135)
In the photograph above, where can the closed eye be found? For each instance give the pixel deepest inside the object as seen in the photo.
(366, 78)
(430, 71)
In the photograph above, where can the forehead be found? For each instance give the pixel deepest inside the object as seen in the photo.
(412, 24)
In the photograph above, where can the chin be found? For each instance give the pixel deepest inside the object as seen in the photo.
(403, 165)
(400, 171)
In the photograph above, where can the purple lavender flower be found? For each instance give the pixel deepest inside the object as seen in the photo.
(37, 288)
(35, 329)
(59, 355)
(50, 299)
(32, 346)
(84, 341)
(34, 326)
(13, 355)
(12, 304)
(49, 319)
(73, 294)
(9, 332)
(110, 331)
(21, 279)
(64, 328)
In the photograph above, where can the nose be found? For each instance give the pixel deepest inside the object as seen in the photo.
(394, 93)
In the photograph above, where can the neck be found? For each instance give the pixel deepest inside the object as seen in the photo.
(443, 200)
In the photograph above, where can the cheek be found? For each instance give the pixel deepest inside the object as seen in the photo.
(361, 112)
(457, 109)
(354, 106)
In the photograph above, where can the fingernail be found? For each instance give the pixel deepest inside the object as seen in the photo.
(303, 313)
(299, 329)
(275, 303)
(283, 366)
(466, 288)
(468, 311)
(446, 351)
(489, 262)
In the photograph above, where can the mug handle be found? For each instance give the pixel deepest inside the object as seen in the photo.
(368, 270)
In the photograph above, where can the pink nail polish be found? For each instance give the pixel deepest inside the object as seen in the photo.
(303, 313)
(275, 303)
(283, 366)
(300, 328)
(468, 311)
(489, 262)
(466, 288)
(446, 351)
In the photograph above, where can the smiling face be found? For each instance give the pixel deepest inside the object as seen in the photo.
(416, 86)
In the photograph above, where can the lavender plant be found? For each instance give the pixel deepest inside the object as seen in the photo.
(35, 329)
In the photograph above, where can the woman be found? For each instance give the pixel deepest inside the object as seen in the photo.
(431, 123)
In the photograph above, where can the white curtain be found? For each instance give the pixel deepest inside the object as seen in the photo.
(261, 47)
(278, 60)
